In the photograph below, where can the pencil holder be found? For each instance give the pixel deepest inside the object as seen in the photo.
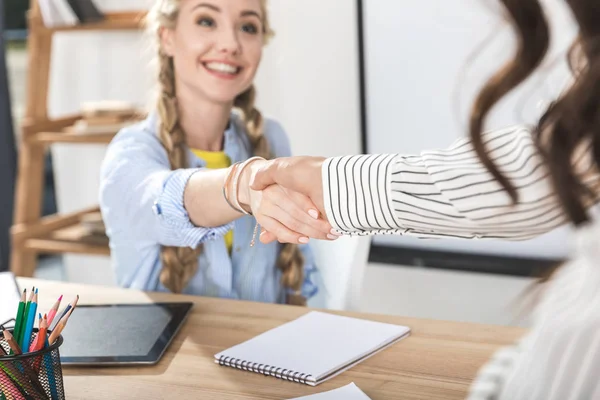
(31, 376)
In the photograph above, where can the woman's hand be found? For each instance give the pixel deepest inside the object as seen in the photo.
(287, 216)
(298, 174)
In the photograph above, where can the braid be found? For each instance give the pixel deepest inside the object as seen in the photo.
(179, 263)
(290, 260)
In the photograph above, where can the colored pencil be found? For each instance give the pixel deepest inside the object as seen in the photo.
(25, 314)
(25, 342)
(20, 314)
(68, 308)
(25, 378)
(59, 327)
(51, 377)
(9, 388)
(40, 339)
(12, 343)
(54, 310)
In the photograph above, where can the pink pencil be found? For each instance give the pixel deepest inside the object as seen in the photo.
(54, 310)
(9, 388)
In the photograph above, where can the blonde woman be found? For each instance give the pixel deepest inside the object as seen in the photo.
(174, 188)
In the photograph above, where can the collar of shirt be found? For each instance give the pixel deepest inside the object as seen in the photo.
(235, 144)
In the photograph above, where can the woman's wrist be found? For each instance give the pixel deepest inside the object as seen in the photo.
(244, 191)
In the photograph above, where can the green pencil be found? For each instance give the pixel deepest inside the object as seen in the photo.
(19, 318)
(19, 339)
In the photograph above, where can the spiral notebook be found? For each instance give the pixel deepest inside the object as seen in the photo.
(313, 348)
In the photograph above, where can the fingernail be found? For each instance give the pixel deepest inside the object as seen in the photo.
(335, 233)
(314, 214)
(303, 240)
(332, 237)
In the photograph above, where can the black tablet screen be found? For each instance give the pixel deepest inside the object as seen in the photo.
(121, 333)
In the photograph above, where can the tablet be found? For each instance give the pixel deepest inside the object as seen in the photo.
(121, 334)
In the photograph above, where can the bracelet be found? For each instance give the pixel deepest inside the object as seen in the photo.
(236, 179)
(231, 172)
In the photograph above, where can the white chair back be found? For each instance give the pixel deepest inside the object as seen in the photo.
(341, 265)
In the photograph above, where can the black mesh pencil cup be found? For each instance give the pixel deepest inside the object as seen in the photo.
(31, 376)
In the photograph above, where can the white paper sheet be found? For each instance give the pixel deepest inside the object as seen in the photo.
(348, 392)
(9, 296)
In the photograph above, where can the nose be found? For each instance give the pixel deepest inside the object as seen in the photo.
(229, 42)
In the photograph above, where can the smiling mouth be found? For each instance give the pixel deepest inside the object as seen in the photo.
(222, 68)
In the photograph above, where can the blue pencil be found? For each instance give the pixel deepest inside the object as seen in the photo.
(30, 322)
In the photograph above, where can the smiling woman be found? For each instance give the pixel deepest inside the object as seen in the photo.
(174, 193)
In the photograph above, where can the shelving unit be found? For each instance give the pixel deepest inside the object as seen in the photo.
(31, 233)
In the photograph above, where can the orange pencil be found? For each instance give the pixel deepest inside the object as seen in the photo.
(40, 339)
(54, 310)
(12, 343)
(59, 328)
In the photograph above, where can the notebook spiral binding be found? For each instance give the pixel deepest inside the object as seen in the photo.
(268, 370)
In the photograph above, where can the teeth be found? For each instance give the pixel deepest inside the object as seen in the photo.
(220, 67)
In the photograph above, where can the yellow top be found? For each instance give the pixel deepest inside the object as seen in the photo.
(217, 160)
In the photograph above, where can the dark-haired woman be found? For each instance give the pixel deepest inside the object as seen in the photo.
(511, 184)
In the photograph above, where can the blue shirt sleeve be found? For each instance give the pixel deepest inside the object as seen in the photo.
(142, 199)
(280, 147)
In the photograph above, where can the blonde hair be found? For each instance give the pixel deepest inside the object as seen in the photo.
(180, 264)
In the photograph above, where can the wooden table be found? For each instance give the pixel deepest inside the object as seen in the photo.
(438, 360)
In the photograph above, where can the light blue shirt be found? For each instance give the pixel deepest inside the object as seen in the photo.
(141, 200)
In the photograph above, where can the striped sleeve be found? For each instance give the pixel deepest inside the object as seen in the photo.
(444, 193)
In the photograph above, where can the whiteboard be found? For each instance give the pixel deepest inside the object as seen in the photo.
(424, 63)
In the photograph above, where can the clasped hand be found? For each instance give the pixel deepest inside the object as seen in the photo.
(285, 196)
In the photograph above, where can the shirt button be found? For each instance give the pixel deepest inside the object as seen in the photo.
(156, 208)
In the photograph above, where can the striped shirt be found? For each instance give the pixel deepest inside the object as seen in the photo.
(449, 194)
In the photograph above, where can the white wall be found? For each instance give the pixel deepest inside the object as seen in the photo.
(446, 295)
(309, 77)
(308, 81)
(426, 60)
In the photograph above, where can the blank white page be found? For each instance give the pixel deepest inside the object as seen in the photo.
(9, 297)
(317, 344)
(348, 392)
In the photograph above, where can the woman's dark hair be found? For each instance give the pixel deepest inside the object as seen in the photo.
(572, 120)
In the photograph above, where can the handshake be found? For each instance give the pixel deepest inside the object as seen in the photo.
(285, 195)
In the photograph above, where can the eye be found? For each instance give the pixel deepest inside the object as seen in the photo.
(206, 22)
(250, 28)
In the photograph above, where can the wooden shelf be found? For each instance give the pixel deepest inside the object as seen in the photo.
(49, 246)
(32, 234)
(64, 234)
(115, 21)
(74, 239)
(67, 137)
(99, 26)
